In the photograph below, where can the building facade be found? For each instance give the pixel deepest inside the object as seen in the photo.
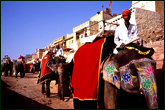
(145, 14)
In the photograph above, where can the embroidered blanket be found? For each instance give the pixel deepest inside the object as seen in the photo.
(141, 50)
(46, 72)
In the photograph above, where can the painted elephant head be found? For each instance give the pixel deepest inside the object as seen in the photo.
(60, 68)
(134, 73)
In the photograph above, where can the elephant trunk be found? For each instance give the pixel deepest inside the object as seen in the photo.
(148, 85)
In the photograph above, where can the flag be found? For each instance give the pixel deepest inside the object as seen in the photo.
(110, 3)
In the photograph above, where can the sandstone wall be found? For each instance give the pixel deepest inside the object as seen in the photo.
(152, 35)
(160, 9)
(154, 38)
(146, 19)
(158, 56)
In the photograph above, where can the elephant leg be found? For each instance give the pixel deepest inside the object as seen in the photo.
(21, 73)
(60, 87)
(11, 72)
(110, 96)
(16, 74)
(48, 88)
(43, 88)
(33, 70)
(60, 80)
(6, 73)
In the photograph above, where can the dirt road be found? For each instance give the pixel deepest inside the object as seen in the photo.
(24, 93)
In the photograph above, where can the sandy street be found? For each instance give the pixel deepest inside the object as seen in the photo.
(24, 93)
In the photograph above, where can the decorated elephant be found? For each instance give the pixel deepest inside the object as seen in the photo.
(130, 77)
(53, 68)
(7, 66)
(45, 74)
(19, 68)
(35, 67)
(86, 81)
(133, 85)
(61, 70)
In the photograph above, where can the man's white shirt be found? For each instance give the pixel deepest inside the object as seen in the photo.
(124, 35)
(59, 52)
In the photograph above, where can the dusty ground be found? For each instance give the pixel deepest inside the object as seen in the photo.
(24, 93)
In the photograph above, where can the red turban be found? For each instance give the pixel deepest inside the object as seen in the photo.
(21, 57)
(126, 11)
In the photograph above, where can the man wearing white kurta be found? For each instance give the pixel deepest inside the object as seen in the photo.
(126, 32)
(58, 50)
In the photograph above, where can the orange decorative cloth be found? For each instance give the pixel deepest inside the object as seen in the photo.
(86, 74)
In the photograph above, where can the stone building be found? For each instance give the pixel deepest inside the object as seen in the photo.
(155, 6)
(69, 40)
(39, 53)
(89, 28)
(28, 57)
(145, 14)
(61, 41)
(34, 56)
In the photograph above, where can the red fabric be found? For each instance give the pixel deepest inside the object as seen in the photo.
(30, 66)
(85, 75)
(45, 70)
(24, 64)
(20, 57)
(126, 11)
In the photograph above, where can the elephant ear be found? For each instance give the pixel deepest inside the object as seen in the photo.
(50, 64)
(111, 73)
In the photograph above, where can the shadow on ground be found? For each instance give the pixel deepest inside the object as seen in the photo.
(160, 87)
(13, 100)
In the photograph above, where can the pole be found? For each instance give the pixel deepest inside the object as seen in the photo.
(102, 6)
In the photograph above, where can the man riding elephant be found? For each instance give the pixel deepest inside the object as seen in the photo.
(35, 66)
(45, 74)
(127, 74)
(58, 65)
(20, 66)
(126, 32)
(59, 61)
(7, 65)
(130, 71)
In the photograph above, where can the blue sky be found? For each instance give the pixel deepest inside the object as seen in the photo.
(29, 25)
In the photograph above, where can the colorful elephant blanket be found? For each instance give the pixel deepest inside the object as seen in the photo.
(46, 72)
(85, 75)
(124, 77)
